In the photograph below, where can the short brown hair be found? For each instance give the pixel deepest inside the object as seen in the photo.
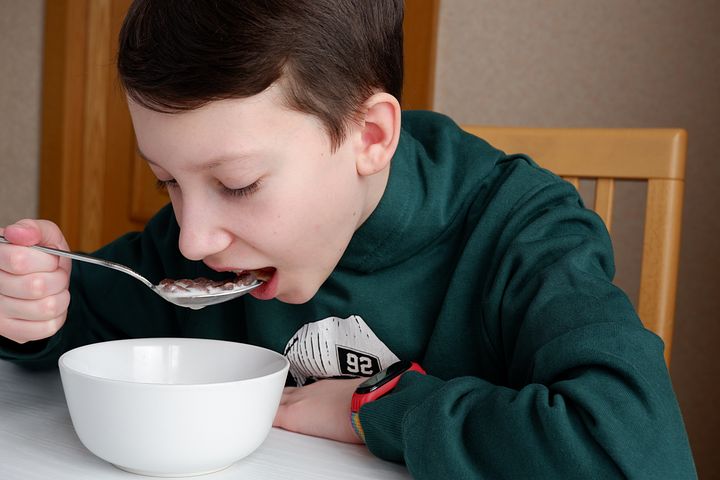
(331, 55)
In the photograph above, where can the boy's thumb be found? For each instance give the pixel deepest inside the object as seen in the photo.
(35, 232)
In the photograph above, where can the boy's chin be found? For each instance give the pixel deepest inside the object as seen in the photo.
(298, 296)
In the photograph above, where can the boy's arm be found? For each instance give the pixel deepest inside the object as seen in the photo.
(585, 390)
(108, 305)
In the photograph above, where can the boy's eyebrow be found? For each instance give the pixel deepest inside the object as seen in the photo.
(209, 165)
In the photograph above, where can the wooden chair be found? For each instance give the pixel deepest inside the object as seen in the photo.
(605, 155)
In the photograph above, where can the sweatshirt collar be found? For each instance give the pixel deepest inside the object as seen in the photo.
(376, 243)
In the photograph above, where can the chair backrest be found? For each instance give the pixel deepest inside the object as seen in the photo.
(606, 155)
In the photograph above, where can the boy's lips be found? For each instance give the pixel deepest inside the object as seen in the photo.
(267, 290)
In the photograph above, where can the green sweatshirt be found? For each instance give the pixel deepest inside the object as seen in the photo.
(482, 267)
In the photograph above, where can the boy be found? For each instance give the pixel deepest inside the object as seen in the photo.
(276, 128)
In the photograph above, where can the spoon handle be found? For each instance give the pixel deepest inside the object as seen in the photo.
(87, 258)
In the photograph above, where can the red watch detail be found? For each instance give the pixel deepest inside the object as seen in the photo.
(382, 383)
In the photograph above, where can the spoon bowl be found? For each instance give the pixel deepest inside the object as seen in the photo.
(187, 299)
(200, 300)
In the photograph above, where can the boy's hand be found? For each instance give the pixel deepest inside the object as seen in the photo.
(34, 295)
(321, 409)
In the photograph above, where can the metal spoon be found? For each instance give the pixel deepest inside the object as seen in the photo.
(183, 299)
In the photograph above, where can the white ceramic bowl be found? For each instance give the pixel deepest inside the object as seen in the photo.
(172, 406)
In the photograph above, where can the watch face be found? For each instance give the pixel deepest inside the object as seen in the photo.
(381, 378)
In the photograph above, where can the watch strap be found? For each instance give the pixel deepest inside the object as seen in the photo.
(360, 399)
(356, 425)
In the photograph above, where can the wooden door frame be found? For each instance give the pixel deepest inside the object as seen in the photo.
(420, 47)
(86, 132)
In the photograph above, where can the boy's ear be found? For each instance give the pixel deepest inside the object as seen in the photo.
(380, 133)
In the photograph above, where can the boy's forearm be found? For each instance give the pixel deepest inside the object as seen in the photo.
(38, 354)
(604, 420)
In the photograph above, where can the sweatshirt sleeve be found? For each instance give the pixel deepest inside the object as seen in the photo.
(108, 305)
(581, 391)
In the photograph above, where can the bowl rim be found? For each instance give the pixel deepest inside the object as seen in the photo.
(62, 364)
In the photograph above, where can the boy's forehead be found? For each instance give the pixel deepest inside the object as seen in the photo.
(205, 137)
(198, 164)
(218, 131)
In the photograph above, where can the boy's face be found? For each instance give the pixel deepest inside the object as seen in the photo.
(255, 185)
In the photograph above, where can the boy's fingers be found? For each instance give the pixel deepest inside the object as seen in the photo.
(20, 260)
(24, 232)
(22, 331)
(29, 232)
(35, 232)
(42, 310)
(33, 286)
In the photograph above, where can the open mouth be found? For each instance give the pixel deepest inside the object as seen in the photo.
(264, 274)
(268, 290)
(201, 286)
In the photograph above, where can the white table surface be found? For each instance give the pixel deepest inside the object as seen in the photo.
(37, 441)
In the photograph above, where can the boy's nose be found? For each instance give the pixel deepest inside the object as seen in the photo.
(201, 234)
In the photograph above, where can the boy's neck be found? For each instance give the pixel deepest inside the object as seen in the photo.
(377, 183)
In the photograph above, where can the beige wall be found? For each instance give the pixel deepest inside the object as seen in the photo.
(20, 80)
(612, 63)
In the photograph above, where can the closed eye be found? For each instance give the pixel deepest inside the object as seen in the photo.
(242, 192)
(163, 185)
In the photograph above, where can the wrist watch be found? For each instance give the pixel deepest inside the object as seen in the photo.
(377, 386)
